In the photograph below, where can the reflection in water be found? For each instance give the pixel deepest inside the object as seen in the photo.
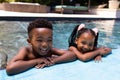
(12, 37)
(105, 29)
(109, 32)
(13, 34)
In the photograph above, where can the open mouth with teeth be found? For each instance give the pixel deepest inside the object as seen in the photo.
(44, 51)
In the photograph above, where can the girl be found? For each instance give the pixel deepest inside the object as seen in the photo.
(83, 42)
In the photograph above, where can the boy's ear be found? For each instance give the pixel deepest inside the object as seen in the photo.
(81, 26)
(95, 30)
(28, 40)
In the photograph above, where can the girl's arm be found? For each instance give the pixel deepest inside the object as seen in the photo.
(98, 58)
(90, 55)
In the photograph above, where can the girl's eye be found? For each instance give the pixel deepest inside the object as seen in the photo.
(83, 42)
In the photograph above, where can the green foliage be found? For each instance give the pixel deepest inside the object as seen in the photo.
(1, 1)
(7, 0)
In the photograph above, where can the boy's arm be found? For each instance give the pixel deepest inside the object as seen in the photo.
(67, 56)
(89, 55)
(19, 64)
(62, 57)
(58, 51)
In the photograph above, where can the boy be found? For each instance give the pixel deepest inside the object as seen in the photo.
(40, 52)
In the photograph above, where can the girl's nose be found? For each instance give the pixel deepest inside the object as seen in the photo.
(86, 47)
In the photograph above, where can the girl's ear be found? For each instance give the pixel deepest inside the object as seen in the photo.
(95, 30)
(76, 41)
(81, 26)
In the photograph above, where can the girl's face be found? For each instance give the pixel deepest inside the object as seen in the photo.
(85, 42)
(41, 41)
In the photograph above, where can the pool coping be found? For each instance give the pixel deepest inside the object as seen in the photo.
(24, 16)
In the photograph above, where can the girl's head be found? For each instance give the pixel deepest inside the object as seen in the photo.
(83, 39)
(40, 36)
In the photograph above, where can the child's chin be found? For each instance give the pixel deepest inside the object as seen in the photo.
(43, 54)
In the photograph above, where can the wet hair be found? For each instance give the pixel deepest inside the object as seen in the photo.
(76, 34)
(38, 23)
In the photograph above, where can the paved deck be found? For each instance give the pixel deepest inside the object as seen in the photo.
(99, 14)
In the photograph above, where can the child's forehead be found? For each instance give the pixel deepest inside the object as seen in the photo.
(87, 37)
(87, 34)
(42, 31)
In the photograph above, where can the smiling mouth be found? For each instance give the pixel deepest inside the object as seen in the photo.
(44, 50)
(83, 50)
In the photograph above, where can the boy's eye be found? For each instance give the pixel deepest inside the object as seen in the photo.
(50, 40)
(39, 40)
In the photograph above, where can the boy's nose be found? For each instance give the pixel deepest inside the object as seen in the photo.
(45, 45)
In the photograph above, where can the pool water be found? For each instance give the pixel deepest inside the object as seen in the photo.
(109, 32)
(13, 34)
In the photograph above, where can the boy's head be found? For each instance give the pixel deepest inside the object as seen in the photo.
(38, 23)
(40, 36)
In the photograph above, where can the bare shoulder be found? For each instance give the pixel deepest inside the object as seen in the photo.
(24, 50)
(71, 48)
(22, 54)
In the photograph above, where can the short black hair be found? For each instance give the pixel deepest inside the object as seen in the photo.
(38, 23)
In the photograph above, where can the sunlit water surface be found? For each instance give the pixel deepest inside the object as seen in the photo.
(13, 34)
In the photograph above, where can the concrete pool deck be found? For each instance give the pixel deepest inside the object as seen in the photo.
(93, 14)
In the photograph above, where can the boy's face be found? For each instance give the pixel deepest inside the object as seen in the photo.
(41, 41)
(85, 42)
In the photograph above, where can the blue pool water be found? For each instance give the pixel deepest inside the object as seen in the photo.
(13, 34)
(109, 32)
